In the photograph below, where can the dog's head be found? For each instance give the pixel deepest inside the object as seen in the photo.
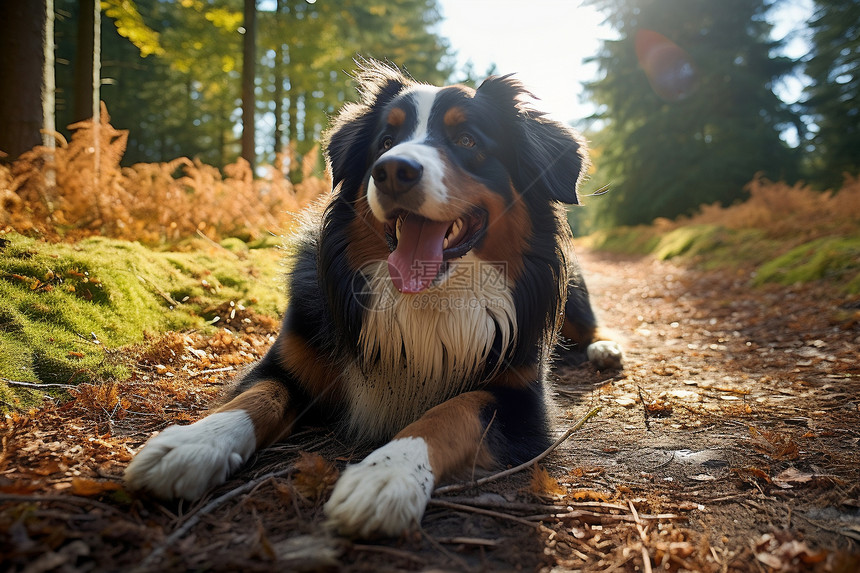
(436, 173)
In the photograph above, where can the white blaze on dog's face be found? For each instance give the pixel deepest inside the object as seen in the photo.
(425, 183)
(410, 172)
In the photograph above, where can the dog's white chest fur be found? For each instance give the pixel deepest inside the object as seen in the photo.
(419, 350)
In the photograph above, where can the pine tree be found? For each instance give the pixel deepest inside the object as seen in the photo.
(833, 96)
(21, 34)
(687, 102)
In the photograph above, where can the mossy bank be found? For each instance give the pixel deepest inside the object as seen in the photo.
(68, 311)
(782, 260)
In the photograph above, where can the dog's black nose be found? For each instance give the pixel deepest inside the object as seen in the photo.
(396, 175)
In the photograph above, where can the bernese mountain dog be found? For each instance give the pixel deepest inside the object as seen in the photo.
(424, 304)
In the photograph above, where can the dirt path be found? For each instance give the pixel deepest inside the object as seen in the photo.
(729, 443)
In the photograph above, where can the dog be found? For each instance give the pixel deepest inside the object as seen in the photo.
(424, 304)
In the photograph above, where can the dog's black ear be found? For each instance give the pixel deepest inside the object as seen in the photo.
(550, 157)
(347, 143)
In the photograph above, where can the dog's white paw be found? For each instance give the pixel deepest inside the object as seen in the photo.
(185, 461)
(384, 494)
(605, 354)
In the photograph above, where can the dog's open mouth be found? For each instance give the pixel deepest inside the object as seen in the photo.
(421, 247)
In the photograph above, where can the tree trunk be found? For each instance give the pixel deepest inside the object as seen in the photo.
(49, 84)
(84, 58)
(21, 60)
(248, 71)
(279, 90)
(293, 113)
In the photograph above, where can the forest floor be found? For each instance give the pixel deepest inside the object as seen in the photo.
(729, 442)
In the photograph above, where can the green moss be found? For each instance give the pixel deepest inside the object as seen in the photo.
(712, 247)
(691, 241)
(235, 245)
(834, 259)
(64, 307)
(624, 240)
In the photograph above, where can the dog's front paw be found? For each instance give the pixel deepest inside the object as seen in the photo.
(605, 354)
(384, 494)
(185, 461)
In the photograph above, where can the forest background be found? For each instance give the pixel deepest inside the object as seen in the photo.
(166, 122)
(154, 155)
(686, 96)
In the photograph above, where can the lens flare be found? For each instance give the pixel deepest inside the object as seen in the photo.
(669, 68)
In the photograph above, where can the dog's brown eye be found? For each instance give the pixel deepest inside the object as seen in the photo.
(386, 143)
(465, 140)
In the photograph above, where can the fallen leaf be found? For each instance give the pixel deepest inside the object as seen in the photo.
(589, 495)
(659, 409)
(48, 467)
(544, 484)
(90, 487)
(314, 476)
(791, 477)
(750, 474)
(774, 445)
(781, 552)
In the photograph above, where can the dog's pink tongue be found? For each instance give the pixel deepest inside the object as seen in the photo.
(416, 261)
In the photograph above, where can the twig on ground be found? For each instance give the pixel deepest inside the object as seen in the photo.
(70, 499)
(389, 551)
(194, 518)
(476, 483)
(478, 541)
(506, 505)
(481, 443)
(211, 371)
(478, 510)
(845, 532)
(518, 506)
(644, 409)
(212, 243)
(36, 385)
(169, 299)
(610, 517)
(638, 522)
(461, 565)
(646, 557)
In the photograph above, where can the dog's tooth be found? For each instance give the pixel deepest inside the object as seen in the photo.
(445, 243)
(455, 228)
(397, 227)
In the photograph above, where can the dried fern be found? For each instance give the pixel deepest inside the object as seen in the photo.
(81, 189)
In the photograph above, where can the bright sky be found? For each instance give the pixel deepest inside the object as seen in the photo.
(542, 41)
(545, 41)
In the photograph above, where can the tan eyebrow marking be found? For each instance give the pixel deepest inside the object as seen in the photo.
(454, 116)
(396, 117)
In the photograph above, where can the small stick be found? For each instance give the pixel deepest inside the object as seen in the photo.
(212, 243)
(481, 443)
(35, 384)
(462, 565)
(644, 409)
(519, 468)
(211, 371)
(479, 541)
(192, 520)
(389, 551)
(160, 292)
(609, 517)
(489, 512)
(646, 558)
(70, 499)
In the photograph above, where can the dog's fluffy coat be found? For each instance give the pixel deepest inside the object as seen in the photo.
(424, 304)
